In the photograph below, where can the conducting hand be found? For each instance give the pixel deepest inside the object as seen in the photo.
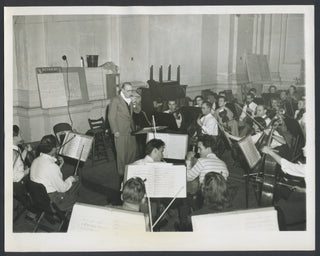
(116, 134)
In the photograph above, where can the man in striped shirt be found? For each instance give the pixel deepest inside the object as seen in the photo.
(208, 161)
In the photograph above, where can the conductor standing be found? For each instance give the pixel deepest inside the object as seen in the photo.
(121, 124)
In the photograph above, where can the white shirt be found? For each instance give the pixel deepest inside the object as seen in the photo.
(44, 170)
(252, 106)
(209, 125)
(18, 165)
(147, 159)
(267, 119)
(178, 121)
(298, 170)
(128, 100)
(211, 163)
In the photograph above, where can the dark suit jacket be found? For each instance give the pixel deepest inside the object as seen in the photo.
(120, 118)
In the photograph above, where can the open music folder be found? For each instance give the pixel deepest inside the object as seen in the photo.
(75, 144)
(105, 219)
(162, 179)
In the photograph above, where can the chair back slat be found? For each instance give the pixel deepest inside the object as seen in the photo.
(97, 123)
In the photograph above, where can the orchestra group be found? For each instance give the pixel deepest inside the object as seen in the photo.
(276, 124)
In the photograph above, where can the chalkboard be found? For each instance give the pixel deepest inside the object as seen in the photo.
(258, 68)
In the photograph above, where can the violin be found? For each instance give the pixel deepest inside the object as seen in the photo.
(31, 153)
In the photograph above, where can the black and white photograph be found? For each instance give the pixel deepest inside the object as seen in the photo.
(181, 128)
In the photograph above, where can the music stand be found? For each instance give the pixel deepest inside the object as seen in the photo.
(252, 157)
(165, 119)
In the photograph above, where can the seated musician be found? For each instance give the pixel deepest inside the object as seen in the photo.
(208, 161)
(292, 93)
(272, 89)
(288, 104)
(212, 98)
(225, 117)
(274, 108)
(133, 197)
(290, 203)
(256, 99)
(46, 171)
(172, 105)
(300, 115)
(133, 194)
(20, 169)
(207, 123)
(261, 111)
(215, 194)
(154, 152)
(249, 108)
(198, 100)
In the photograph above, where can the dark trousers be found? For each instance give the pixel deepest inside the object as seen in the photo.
(66, 200)
(20, 192)
(291, 207)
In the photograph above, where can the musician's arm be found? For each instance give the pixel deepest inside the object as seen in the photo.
(279, 138)
(194, 172)
(286, 166)
(270, 152)
(229, 113)
(243, 114)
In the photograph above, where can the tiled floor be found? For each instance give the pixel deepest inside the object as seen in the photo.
(96, 178)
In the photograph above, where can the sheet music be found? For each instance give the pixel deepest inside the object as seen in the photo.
(74, 144)
(162, 180)
(52, 90)
(262, 219)
(92, 218)
(250, 151)
(176, 145)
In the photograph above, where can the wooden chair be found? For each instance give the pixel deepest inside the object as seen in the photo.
(98, 131)
(60, 130)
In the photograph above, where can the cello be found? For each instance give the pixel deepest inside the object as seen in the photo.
(269, 173)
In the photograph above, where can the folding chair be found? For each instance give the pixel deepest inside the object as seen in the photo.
(46, 208)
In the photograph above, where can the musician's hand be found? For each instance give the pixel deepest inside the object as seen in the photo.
(299, 189)
(190, 155)
(76, 178)
(61, 161)
(267, 131)
(199, 122)
(26, 171)
(266, 150)
(116, 134)
(28, 148)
